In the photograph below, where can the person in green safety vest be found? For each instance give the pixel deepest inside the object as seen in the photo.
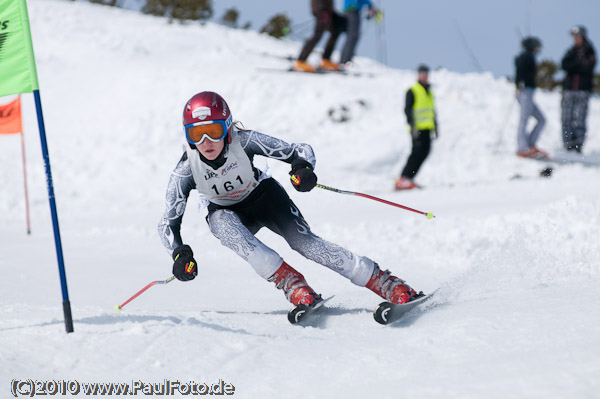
(420, 114)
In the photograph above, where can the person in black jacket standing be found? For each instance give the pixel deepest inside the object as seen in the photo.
(525, 80)
(578, 63)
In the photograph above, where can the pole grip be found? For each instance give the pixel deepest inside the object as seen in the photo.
(68, 316)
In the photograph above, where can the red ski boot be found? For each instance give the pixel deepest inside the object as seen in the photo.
(389, 287)
(294, 285)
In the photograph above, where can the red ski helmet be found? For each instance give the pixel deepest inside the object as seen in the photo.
(205, 108)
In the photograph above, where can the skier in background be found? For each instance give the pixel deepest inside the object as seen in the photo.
(578, 63)
(352, 9)
(526, 69)
(241, 199)
(421, 117)
(326, 19)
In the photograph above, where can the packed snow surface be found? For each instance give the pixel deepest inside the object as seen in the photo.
(516, 257)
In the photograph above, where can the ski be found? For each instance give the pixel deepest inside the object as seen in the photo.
(278, 56)
(319, 71)
(562, 160)
(566, 158)
(387, 312)
(300, 312)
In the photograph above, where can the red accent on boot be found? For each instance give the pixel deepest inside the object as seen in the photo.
(389, 287)
(293, 284)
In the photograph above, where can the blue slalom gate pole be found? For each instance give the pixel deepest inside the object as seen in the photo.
(54, 213)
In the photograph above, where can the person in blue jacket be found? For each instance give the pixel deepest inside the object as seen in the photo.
(352, 9)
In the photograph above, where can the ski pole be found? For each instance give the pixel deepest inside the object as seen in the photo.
(505, 122)
(120, 307)
(428, 215)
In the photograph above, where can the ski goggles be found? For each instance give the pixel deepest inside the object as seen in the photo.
(215, 131)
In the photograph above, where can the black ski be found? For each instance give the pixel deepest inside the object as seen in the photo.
(299, 313)
(387, 312)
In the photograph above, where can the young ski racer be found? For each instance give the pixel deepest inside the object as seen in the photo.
(242, 199)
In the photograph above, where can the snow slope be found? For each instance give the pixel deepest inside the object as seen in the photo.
(517, 260)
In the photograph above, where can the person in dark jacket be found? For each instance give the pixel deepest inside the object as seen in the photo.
(421, 117)
(326, 19)
(578, 63)
(525, 80)
(352, 9)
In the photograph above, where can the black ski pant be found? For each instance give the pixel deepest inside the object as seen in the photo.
(421, 144)
(331, 25)
(352, 35)
(574, 106)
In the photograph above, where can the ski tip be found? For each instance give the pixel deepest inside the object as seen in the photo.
(118, 308)
(297, 314)
(381, 313)
(429, 215)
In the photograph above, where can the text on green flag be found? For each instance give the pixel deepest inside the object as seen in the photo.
(17, 64)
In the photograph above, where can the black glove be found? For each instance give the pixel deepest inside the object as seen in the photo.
(302, 176)
(185, 266)
(414, 132)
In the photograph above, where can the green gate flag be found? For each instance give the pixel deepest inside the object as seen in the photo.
(17, 63)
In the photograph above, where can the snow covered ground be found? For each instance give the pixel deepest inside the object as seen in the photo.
(517, 260)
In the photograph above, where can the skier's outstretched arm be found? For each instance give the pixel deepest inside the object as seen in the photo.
(255, 143)
(181, 182)
(301, 156)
